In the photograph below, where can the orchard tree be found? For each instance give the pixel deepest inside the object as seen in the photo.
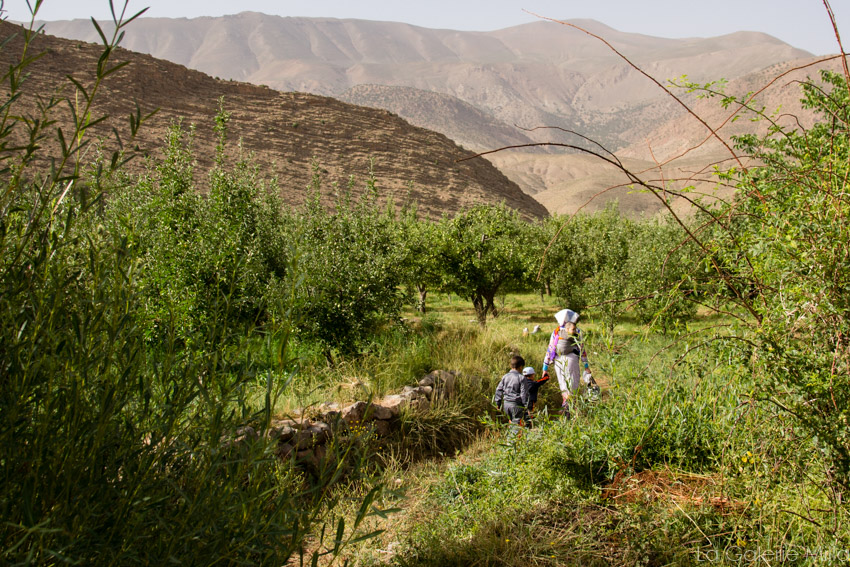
(661, 260)
(566, 265)
(421, 260)
(348, 266)
(483, 249)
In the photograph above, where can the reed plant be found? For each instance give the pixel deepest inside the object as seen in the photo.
(116, 450)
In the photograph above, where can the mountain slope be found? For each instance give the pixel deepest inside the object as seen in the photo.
(565, 183)
(460, 121)
(286, 132)
(537, 74)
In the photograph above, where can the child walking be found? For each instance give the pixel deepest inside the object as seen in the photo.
(512, 393)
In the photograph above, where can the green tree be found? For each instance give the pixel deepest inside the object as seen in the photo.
(483, 249)
(220, 255)
(349, 271)
(421, 263)
(661, 259)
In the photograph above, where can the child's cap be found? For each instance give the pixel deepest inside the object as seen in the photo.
(528, 371)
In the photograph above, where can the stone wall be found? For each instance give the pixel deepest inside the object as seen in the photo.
(306, 439)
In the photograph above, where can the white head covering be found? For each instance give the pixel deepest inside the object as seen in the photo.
(566, 316)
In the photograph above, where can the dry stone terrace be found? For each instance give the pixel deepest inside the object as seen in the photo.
(306, 439)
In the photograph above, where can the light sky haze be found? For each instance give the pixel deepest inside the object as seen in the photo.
(801, 23)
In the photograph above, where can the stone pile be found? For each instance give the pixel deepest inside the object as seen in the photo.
(308, 438)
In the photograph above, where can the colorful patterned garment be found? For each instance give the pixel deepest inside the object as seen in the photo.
(552, 351)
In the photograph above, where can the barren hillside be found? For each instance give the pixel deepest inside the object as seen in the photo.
(286, 132)
(679, 152)
(537, 74)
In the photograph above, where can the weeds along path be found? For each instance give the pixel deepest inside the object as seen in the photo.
(631, 472)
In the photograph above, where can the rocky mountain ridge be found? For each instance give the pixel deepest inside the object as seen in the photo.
(536, 74)
(290, 135)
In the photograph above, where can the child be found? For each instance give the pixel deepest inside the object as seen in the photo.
(533, 384)
(512, 394)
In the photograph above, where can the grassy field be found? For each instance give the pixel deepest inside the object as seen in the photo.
(673, 465)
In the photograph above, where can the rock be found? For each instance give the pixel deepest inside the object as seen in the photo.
(410, 392)
(395, 404)
(420, 405)
(321, 432)
(329, 412)
(354, 412)
(282, 433)
(295, 424)
(307, 457)
(316, 434)
(284, 450)
(449, 386)
(303, 439)
(427, 391)
(320, 452)
(444, 383)
(328, 407)
(246, 432)
(382, 427)
(332, 416)
(380, 412)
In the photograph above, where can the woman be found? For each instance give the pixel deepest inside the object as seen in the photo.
(567, 354)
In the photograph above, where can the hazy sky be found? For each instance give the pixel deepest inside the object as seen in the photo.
(802, 23)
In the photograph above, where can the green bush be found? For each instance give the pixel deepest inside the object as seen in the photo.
(203, 257)
(349, 269)
(778, 256)
(116, 449)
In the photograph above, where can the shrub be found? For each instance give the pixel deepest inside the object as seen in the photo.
(114, 452)
(348, 266)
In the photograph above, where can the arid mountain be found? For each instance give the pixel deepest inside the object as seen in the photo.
(467, 125)
(286, 132)
(680, 151)
(777, 91)
(486, 90)
(537, 74)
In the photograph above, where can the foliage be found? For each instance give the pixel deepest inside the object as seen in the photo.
(349, 268)
(202, 256)
(483, 249)
(538, 495)
(611, 264)
(117, 449)
(422, 265)
(780, 252)
(661, 259)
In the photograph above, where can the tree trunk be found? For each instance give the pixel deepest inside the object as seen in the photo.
(480, 310)
(491, 306)
(423, 293)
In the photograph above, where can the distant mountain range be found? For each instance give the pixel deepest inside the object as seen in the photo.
(484, 90)
(291, 135)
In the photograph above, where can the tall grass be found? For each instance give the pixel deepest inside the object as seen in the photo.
(672, 466)
(113, 452)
